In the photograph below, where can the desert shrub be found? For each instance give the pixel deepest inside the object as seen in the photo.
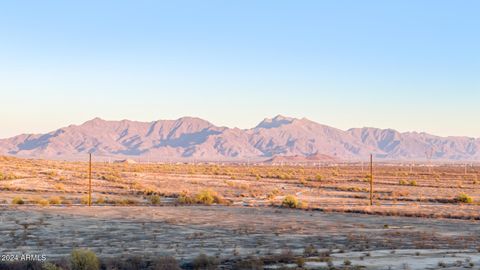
(208, 197)
(42, 202)
(165, 263)
(51, 174)
(272, 194)
(303, 181)
(286, 256)
(185, 198)
(55, 200)
(59, 187)
(283, 176)
(136, 185)
(353, 189)
(110, 177)
(67, 201)
(100, 200)
(290, 201)
(82, 259)
(84, 200)
(464, 198)
(203, 261)
(154, 199)
(407, 183)
(400, 193)
(300, 262)
(205, 197)
(149, 191)
(252, 263)
(310, 251)
(18, 200)
(7, 176)
(134, 262)
(127, 201)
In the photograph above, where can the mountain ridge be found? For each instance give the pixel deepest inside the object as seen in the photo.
(192, 138)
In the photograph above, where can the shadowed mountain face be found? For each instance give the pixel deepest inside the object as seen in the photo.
(196, 139)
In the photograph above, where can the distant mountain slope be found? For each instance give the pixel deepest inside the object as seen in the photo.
(277, 139)
(392, 144)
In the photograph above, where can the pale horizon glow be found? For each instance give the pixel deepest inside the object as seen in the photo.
(405, 65)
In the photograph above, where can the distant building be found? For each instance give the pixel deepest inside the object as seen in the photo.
(127, 161)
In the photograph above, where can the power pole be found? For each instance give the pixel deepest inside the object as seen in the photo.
(90, 180)
(371, 179)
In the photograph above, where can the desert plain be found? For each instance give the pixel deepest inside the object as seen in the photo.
(243, 216)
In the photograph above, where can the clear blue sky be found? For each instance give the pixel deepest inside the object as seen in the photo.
(407, 65)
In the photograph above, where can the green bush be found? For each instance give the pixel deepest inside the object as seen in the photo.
(290, 201)
(8, 176)
(205, 197)
(464, 198)
(82, 259)
(185, 198)
(55, 200)
(42, 202)
(407, 183)
(154, 199)
(208, 197)
(18, 200)
(84, 200)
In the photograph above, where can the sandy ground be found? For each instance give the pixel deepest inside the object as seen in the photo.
(375, 242)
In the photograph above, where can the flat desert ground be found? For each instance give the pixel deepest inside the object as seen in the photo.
(423, 217)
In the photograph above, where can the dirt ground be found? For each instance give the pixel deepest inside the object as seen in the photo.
(399, 189)
(423, 217)
(226, 232)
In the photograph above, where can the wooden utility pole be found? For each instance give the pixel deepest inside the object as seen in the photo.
(90, 180)
(371, 179)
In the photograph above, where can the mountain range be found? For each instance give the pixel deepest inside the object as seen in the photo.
(277, 139)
